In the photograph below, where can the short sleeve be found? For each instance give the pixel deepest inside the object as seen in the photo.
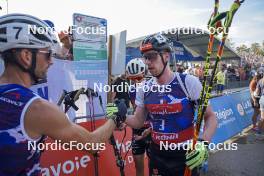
(193, 86)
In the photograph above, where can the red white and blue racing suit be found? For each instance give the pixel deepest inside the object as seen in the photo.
(16, 158)
(171, 117)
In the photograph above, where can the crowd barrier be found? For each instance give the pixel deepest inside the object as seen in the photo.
(234, 112)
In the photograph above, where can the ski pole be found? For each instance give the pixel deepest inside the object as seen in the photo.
(90, 94)
(119, 160)
(228, 16)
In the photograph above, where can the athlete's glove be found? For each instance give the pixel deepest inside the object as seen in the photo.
(116, 111)
(198, 155)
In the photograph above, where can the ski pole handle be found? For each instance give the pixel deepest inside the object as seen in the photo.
(78, 93)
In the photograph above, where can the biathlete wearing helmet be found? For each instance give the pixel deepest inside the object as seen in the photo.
(20, 31)
(15, 34)
(171, 118)
(171, 114)
(157, 43)
(135, 70)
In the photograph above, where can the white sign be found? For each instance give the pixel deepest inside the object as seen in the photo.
(89, 28)
(119, 53)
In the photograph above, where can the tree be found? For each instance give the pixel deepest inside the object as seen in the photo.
(255, 48)
(242, 48)
(230, 42)
(253, 55)
(262, 48)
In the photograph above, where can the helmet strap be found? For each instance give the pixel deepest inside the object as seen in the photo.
(32, 69)
(164, 67)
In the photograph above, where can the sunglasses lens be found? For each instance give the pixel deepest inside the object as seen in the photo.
(50, 54)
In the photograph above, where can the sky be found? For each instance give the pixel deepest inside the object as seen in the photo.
(143, 17)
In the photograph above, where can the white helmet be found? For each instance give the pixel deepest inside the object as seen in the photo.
(25, 31)
(135, 67)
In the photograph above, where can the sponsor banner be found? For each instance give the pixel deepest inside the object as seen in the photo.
(233, 114)
(75, 162)
(89, 28)
(89, 51)
(243, 107)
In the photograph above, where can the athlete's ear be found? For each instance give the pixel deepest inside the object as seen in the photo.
(25, 58)
(166, 56)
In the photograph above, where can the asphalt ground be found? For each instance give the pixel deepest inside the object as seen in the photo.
(247, 160)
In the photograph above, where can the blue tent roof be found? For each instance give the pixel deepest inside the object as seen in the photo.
(182, 54)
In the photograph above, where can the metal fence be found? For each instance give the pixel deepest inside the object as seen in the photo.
(236, 84)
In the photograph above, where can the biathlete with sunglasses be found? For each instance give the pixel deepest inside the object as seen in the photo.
(25, 117)
(135, 71)
(171, 113)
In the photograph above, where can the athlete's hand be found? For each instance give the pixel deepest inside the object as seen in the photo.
(144, 134)
(111, 110)
(117, 112)
(198, 155)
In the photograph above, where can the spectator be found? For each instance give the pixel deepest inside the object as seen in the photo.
(198, 72)
(57, 47)
(260, 92)
(189, 71)
(237, 74)
(261, 68)
(67, 51)
(220, 77)
(180, 69)
(254, 99)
